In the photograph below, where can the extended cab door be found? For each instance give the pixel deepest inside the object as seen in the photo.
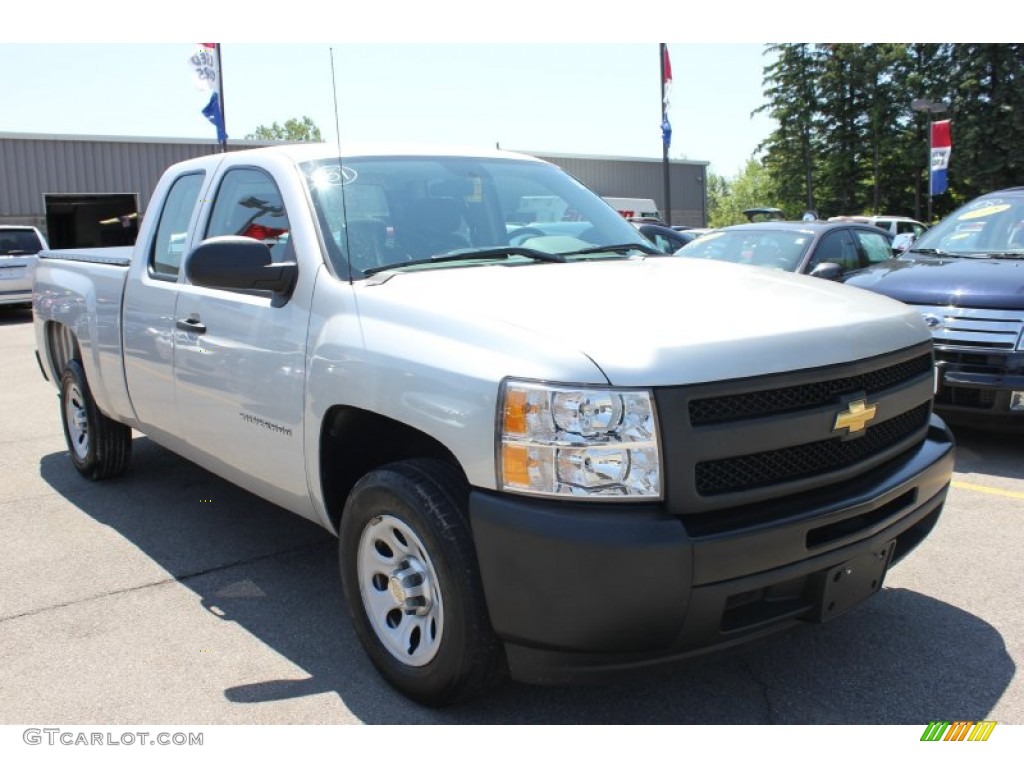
(240, 355)
(150, 296)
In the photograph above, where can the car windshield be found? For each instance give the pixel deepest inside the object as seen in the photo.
(17, 241)
(380, 213)
(774, 248)
(993, 224)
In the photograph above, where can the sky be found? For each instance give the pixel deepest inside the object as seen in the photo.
(572, 98)
(544, 76)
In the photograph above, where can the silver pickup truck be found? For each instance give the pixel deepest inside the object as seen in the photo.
(546, 451)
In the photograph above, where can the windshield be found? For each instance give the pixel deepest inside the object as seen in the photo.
(15, 241)
(775, 248)
(991, 224)
(393, 212)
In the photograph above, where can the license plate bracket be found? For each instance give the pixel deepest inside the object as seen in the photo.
(838, 589)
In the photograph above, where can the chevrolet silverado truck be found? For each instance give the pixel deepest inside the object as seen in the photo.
(550, 456)
(966, 278)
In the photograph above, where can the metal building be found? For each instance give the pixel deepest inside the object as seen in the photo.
(642, 177)
(85, 191)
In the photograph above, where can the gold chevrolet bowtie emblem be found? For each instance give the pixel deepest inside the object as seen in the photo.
(855, 417)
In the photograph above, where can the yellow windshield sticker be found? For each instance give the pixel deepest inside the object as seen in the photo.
(981, 213)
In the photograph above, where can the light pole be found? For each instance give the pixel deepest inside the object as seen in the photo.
(932, 108)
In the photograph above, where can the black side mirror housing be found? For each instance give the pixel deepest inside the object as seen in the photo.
(239, 263)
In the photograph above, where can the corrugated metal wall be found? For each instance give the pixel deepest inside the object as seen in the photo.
(32, 166)
(636, 177)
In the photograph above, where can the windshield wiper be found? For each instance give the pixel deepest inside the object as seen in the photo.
(502, 252)
(650, 250)
(940, 252)
(1005, 254)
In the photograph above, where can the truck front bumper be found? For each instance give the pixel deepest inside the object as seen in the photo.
(580, 591)
(973, 396)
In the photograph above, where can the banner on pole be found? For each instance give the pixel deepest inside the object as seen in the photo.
(666, 91)
(205, 65)
(942, 148)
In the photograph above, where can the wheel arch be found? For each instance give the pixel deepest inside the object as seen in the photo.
(354, 441)
(61, 348)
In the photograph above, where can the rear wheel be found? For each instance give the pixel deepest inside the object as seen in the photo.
(100, 447)
(409, 573)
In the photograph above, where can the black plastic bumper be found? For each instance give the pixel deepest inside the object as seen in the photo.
(578, 591)
(981, 400)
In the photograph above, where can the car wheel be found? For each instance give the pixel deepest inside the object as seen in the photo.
(100, 447)
(410, 578)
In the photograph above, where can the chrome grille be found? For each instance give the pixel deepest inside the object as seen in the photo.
(981, 329)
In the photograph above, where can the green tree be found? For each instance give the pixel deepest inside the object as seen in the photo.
(791, 89)
(293, 130)
(988, 118)
(752, 188)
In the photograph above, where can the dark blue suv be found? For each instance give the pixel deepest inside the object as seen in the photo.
(966, 277)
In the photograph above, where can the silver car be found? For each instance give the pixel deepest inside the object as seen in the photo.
(18, 248)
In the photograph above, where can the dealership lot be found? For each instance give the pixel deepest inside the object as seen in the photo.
(170, 596)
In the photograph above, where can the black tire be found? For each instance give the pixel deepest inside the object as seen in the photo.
(429, 636)
(100, 447)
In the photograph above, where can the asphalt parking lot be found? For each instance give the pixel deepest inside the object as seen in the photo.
(169, 596)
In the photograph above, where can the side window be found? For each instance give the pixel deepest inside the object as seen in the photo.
(875, 247)
(248, 203)
(172, 229)
(837, 248)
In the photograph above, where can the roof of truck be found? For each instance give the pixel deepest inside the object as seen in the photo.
(301, 152)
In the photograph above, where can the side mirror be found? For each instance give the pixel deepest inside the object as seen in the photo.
(827, 270)
(239, 263)
(901, 242)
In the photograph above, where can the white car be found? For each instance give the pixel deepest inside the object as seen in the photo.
(894, 225)
(18, 248)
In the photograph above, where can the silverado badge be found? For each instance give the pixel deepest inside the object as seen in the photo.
(855, 417)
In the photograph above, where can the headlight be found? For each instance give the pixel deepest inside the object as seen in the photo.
(573, 441)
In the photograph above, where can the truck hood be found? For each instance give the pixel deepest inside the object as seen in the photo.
(958, 282)
(657, 321)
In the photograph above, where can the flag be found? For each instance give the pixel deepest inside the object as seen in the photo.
(942, 148)
(666, 92)
(205, 64)
(213, 113)
(205, 72)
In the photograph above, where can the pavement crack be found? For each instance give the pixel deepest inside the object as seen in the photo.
(174, 578)
(762, 688)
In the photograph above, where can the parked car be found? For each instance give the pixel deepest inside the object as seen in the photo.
(18, 248)
(825, 249)
(966, 277)
(894, 225)
(764, 214)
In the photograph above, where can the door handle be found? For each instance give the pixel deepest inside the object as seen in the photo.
(191, 325)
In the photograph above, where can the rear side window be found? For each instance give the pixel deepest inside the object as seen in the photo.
(249, 204)
(876, 247)
(837, 248)
(172, 229)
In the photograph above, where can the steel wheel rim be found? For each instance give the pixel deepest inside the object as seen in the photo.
(77, 419)
(400, 590)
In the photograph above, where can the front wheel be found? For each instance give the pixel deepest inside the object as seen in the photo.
(100, 447)
(409, 574)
